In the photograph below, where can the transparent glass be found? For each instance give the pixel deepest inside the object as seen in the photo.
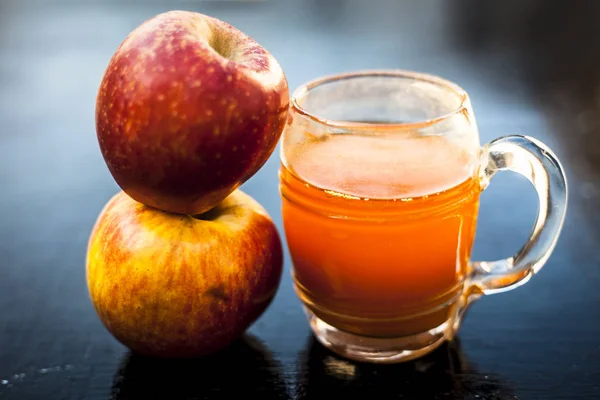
(380, 178)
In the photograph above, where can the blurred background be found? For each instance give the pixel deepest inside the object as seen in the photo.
(530, 66)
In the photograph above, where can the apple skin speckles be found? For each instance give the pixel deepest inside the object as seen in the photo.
(182, 88)
(172, 285)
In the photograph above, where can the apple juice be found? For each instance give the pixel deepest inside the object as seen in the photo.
(380, 252)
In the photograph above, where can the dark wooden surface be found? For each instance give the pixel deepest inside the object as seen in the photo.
(531, 67)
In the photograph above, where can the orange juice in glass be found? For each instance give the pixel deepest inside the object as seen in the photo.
(380, 178)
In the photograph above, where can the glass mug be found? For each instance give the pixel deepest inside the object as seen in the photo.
(380, 178)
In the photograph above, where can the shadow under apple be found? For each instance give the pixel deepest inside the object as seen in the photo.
(246, 369)
(443, 374)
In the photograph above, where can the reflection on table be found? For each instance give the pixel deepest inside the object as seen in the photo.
(445, 373)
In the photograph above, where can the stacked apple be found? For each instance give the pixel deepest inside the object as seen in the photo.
(181, 262)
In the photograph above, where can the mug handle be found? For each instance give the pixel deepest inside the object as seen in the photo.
(536, 162)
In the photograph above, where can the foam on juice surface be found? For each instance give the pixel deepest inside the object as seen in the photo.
(383, 167)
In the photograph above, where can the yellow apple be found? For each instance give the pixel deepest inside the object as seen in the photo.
(173, 285)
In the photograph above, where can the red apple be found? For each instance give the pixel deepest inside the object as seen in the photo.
(188, 109)
(172, 285)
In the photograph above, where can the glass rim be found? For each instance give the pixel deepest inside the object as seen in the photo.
(303, 90)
